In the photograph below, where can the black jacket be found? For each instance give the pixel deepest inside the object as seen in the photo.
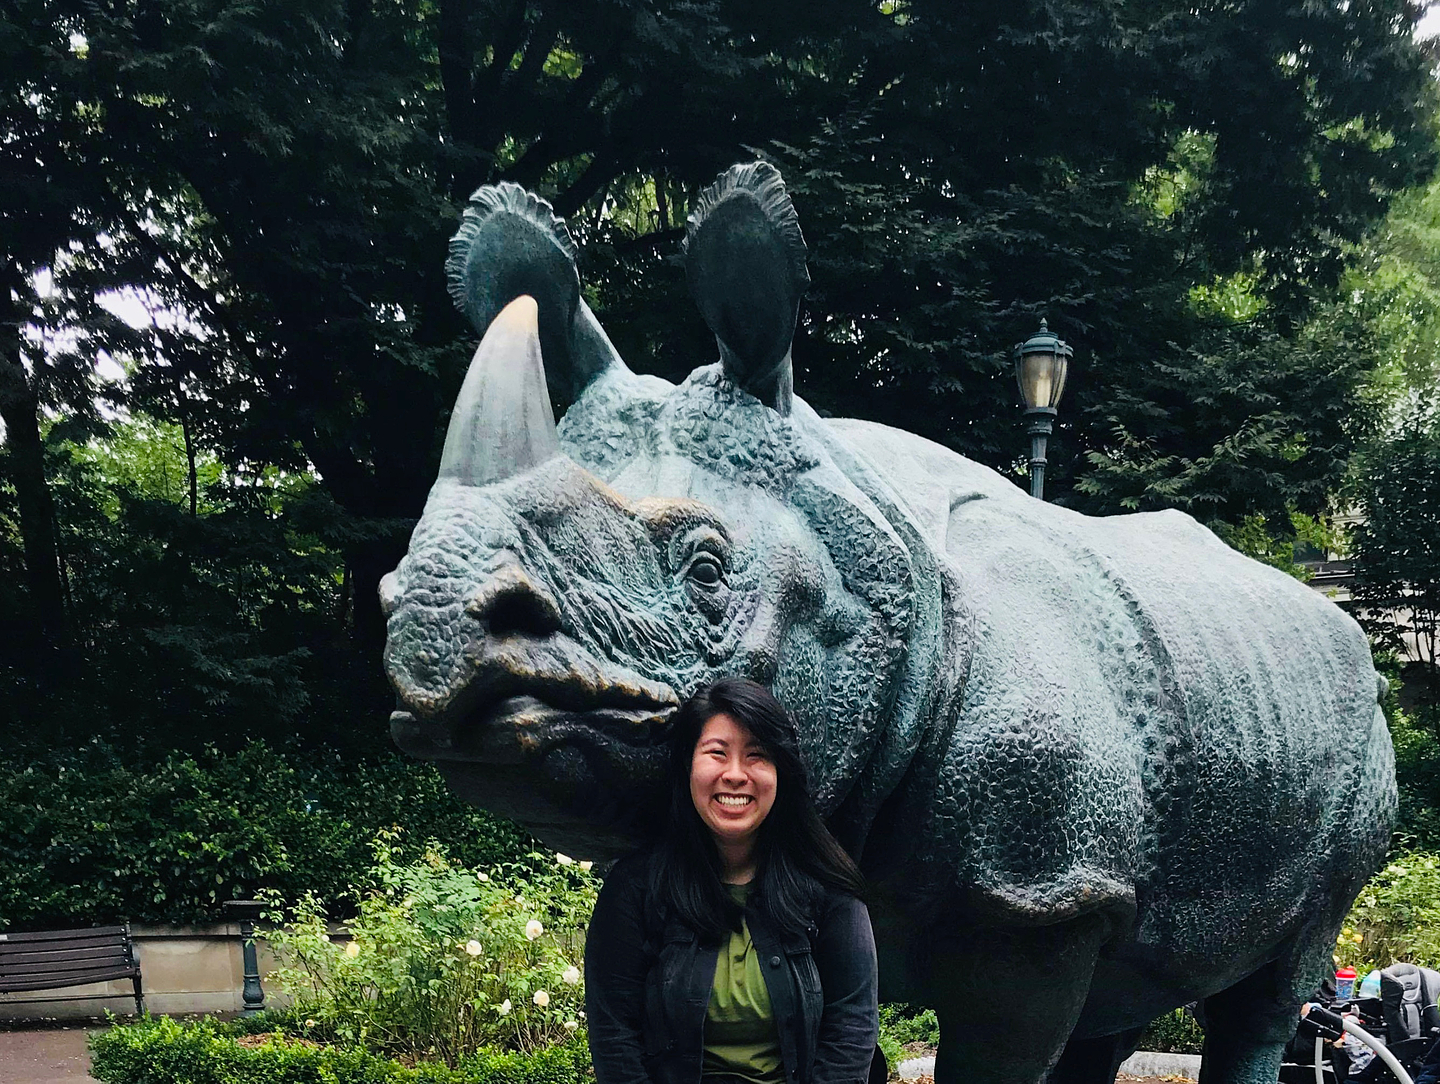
(648, 980)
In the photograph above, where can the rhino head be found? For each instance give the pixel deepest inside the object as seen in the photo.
(565, 589)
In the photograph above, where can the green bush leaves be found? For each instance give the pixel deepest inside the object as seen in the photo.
(86, 839)
(162, 1051)
(443, 961)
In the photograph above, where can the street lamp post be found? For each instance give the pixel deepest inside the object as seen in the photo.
(1041, 363)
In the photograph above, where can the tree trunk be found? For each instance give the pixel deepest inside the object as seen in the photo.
(20, 409)
(190, 473)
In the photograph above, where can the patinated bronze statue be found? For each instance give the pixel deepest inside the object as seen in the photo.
(1107, 764)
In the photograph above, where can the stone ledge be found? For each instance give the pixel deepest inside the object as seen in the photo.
(1140, 1063)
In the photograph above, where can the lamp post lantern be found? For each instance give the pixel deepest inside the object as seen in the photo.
(1041, 363)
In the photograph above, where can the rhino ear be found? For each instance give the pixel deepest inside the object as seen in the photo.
(511, 244)
(745, 261)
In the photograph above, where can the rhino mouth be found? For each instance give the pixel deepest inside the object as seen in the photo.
(525, 697)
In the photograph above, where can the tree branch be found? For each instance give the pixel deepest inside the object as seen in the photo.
(485, 89)
(455, 69)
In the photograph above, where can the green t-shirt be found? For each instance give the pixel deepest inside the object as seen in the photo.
(740, 1036)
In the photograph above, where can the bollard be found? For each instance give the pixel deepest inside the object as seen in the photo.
(245, 912)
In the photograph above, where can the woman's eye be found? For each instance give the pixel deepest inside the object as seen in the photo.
(705, 570)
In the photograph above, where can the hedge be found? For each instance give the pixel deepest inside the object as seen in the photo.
(86, 839)
(162, 1051)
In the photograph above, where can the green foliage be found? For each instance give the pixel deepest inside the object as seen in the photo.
(1176, 1032)
(1253, 537)
(163, 1051)
(86, 838)
(1397, 543)
(1395, 280)
(444, 960)
(188, 628)
(902, 1026)
(207, 567)
(1396, 916)
(1245, 421)
(1417, 769)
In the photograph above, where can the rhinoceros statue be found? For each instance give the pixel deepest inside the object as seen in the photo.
(1094, 768)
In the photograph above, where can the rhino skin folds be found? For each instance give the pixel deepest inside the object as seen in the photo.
(1108, 764)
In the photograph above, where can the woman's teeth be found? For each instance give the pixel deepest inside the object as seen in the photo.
(734, 801)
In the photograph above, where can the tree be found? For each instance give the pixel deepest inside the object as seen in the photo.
(285, 177)
(1397, 545)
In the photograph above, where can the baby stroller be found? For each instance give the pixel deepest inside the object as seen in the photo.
(1404, 1020)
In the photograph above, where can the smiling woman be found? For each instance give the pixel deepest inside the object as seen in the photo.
(686, 955)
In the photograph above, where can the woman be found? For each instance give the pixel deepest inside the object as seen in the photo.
(736, 950)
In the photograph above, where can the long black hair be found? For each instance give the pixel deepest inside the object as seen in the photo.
(797, 858)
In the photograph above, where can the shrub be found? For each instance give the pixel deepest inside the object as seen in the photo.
(1176, 1032)
(1396, 916)
(86, 838)
(444, 960)
(162, 1051)
(902, 1025)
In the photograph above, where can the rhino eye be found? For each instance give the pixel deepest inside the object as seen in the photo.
(705, 570)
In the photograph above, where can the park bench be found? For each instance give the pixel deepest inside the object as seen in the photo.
(55, 959)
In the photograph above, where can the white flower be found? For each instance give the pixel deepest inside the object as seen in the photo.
(309, 1023)
(505, 1007)
(533, 929)
(352, 950)
(520, 900)
(587, 866)
(571, 1025)
(564, 859)
(482, 876)
(541, 998)
(571, 975)
(472, 948)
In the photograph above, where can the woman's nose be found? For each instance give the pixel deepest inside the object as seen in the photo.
(734, 771)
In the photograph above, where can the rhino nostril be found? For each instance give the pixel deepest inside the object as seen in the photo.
(522, 612)
(511, 604)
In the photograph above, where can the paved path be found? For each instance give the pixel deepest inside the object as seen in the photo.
(44, 1057)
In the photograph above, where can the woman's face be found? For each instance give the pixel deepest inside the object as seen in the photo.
(732, 780)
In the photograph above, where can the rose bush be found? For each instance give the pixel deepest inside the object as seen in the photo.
(443, 960)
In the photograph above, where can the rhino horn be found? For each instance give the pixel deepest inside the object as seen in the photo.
(503, 423)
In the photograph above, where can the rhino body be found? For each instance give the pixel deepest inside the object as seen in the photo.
(1103, 766)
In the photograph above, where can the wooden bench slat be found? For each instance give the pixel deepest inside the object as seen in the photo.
(58, 943)
(55, 948)
(32, 955)
(62, 967)
(95, 933)
(72, 978)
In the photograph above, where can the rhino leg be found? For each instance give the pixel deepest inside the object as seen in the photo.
(1248, 1024)
(1247, 1027)
(1014, 1031)
(1094, 1061)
